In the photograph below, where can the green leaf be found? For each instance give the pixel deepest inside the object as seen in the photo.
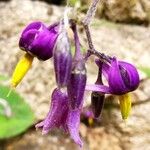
(3, 77)
(146, 70)
(22, 116)
(73, 2)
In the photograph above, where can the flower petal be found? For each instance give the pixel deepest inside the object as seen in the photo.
(133, 75)
(73, 126)
(58, 113)
(115, 80)
(98, 88)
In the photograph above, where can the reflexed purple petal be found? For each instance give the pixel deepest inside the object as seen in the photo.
(62, 59)
(132, 75)
(73, 126)
(39, 40)
(98, 88)
(103, 67)
(58, 113)
(27, 39)
(34, 25)
(115, 80)
(43, 45)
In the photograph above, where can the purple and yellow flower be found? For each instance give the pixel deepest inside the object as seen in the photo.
(122, 78)
(37, 40)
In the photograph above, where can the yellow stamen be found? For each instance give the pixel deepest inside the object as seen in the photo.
(125, 105)
(90, 121)
(21, 69)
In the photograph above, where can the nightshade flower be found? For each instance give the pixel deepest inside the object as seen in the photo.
(39, 40)
(122, 78)
(61, 116)
(57, 116)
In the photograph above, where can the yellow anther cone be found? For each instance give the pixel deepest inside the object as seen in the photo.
(90, 121)
(21, 69)
(125, 105)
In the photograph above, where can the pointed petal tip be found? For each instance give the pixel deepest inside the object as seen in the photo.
(44, 132)
(39, 125)
(78, 141)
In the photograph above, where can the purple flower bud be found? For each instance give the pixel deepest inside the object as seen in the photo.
(76, 86)
(62, 59)
(39, 40)
(122, 77)
(97, 98)
(97, 101)
(58, 113)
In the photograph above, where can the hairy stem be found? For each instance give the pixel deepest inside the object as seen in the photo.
(86, 22)
(91, 12)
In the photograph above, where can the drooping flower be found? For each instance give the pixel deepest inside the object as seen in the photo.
(62, 59)
(39, 40)
(122, 78)
(61, 116)
(58, 113)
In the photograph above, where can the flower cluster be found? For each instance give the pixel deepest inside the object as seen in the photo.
(43, 42)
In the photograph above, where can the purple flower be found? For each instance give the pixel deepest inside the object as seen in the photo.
(62, 59)
(39, 40)
(57, 116)
(60, 116)
(122, 78)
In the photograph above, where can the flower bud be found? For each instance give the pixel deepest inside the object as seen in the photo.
(39, 40)
(97, 101)
(98, 98)
(76, 86)
(62, 59)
